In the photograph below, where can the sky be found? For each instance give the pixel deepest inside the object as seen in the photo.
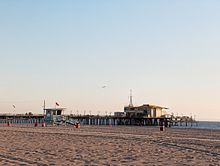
(167, 52)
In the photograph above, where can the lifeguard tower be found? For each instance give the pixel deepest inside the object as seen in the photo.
(54, 115)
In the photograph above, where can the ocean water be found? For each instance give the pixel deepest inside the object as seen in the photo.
(203, 125)
(208, 125)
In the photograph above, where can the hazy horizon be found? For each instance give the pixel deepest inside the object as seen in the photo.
(167, 52)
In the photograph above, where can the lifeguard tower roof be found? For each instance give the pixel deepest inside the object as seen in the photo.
(51, 109)
(54, 111)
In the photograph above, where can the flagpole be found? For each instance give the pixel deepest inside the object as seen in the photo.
(14, 112)
(44, 107)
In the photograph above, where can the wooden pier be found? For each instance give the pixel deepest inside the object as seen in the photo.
(133, 121)
(112, 120)
(183, 121)
(21, 120)
(103, 120)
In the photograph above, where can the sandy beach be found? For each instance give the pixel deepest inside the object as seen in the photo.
(105, 145)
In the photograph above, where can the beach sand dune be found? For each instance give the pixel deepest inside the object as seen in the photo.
(104, 145)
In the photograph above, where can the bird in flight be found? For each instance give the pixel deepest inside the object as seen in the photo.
(104, 86)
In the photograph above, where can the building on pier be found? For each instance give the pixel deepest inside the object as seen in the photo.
(144, 111)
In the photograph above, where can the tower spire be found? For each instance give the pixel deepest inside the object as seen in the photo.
(130, 102)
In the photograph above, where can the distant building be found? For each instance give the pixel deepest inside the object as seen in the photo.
(119, 114)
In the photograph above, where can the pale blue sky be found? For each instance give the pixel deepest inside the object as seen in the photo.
(65, 51)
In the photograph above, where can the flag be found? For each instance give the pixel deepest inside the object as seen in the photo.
(57, 104)
(13, 106)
